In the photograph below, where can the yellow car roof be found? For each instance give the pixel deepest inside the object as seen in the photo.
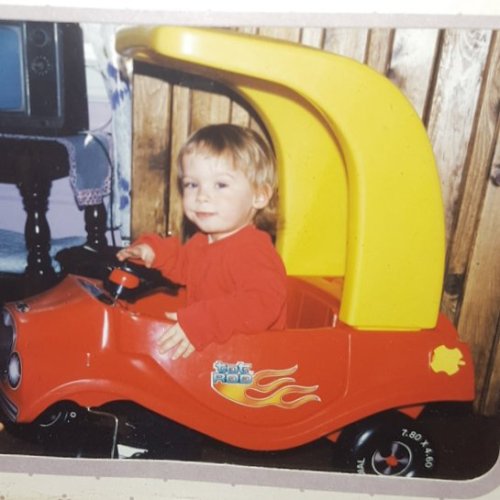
(359, 189)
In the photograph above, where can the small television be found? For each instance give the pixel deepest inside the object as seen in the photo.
(43, 89)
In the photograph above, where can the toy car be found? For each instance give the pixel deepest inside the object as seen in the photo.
(362, 353)
(80, 343)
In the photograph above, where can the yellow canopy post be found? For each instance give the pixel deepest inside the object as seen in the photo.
(359, 189)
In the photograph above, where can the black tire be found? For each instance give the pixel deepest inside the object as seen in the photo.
(388, 445)
(67, 430)
(47, 426)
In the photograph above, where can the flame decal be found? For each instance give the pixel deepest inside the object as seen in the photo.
(280, 390)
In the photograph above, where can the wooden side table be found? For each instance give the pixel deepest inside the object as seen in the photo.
(32, 165)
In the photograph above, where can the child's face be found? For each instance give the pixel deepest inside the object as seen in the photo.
(217, 198)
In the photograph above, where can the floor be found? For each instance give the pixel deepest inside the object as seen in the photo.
(469, 443)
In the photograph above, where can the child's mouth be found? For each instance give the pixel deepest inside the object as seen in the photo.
(204, 215)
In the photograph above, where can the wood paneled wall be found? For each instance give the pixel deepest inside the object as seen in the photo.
(451, 76)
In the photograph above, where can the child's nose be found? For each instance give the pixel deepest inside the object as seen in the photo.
(203, 194)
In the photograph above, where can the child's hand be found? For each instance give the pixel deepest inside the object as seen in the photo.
(141, 251)
(175, 337)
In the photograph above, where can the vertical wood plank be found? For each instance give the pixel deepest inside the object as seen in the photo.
(239, 115)
(348, 42)
(453, 107)
(149, 155)
(312, 37)
(412, 64)
(480, 314)
(281, 33)
(478, 165)
(379, 49)
(491, 403)
(208, 108)
(181, 124)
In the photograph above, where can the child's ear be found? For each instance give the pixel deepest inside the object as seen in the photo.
(262, 196)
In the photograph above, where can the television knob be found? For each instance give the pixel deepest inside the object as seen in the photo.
(39, 37)
(40, 65)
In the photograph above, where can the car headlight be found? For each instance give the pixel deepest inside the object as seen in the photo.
(7, 338)
(7, 318)
(14, 370)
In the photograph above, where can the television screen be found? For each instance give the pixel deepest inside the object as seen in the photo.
(11, 69)
(42, 79)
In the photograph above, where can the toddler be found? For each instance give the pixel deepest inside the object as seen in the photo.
(234, 278)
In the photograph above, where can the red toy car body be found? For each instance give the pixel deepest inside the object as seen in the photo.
(267, 391)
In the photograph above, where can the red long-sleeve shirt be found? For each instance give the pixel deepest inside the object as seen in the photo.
(236, 284)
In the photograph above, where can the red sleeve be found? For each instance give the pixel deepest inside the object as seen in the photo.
(257, 304)
(170, 257)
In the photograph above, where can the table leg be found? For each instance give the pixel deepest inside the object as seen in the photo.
(35, 195)
(95, 226)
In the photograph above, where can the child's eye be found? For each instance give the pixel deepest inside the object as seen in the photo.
(221, 185)
(189, 185)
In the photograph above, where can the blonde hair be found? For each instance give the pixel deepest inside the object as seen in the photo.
(249, 153)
